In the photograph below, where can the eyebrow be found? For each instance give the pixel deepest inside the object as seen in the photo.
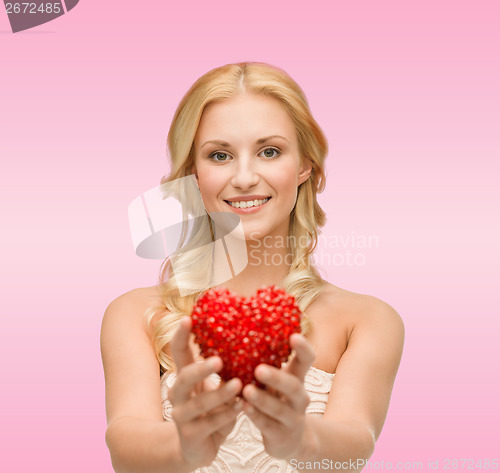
(258, 142)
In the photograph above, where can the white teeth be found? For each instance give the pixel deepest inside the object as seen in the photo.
(246, 204)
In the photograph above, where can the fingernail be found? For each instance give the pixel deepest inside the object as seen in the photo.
(251, 393)
(231, 384)
(263, 373)
(213, 363)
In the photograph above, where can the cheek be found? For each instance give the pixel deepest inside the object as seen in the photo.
(210, 183)
(285, 181)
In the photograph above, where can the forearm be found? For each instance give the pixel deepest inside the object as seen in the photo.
(337, 446)
(141, 446)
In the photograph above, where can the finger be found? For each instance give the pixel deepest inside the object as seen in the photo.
(189, 376)
(304, 356)
(226, 429)
(179, 345)
(208, 401)
(211, 423)
(267, 404)
(288, 385)
(262, 421)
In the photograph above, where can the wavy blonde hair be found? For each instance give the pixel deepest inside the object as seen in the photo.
(303, 280)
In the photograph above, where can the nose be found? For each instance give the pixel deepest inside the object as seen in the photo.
(245, 173)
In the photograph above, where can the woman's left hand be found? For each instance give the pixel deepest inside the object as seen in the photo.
(279, 411)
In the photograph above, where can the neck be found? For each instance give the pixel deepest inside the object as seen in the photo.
(269, 261)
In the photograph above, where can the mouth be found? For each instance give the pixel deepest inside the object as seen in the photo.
(246, 204)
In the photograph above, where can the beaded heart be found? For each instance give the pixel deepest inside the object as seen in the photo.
(245, 331)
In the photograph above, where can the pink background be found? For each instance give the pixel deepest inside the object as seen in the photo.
(408, 96)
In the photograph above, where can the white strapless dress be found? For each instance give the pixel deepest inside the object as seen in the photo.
(243, 450)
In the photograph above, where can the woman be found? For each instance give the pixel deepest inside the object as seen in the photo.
(246, 134)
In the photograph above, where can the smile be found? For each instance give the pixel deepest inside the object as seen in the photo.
(247, 206)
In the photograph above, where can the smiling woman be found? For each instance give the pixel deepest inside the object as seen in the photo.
(245, 133)
(264, 171)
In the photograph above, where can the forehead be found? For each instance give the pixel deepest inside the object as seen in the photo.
(247, 115)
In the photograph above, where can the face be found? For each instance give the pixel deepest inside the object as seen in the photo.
(247, 151)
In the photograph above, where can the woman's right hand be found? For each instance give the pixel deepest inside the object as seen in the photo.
(204, 415)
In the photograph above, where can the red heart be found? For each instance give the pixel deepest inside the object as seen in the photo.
(245, 332)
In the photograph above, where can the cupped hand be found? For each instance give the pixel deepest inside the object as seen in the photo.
(279, 411)
(203, 413)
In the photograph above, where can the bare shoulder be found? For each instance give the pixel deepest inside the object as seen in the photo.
(337, 315)
(377, 330)
(361, 309)
(130, 307)
(147, 296)
(131, 369)
(343, 318)
(127, 305)
(367, 369)
(123, 316)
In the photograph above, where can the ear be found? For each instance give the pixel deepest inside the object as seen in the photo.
(305, 170)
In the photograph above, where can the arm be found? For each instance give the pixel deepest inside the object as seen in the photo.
(138, 445)
(344, 446)
(361, 390)
(137, 437)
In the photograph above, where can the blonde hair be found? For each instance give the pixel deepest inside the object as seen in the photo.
(303, 280)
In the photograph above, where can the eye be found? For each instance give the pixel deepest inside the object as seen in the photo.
(217, 153)
(276, 150)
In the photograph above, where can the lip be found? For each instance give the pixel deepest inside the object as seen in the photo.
(250, 210)
(247, 198)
